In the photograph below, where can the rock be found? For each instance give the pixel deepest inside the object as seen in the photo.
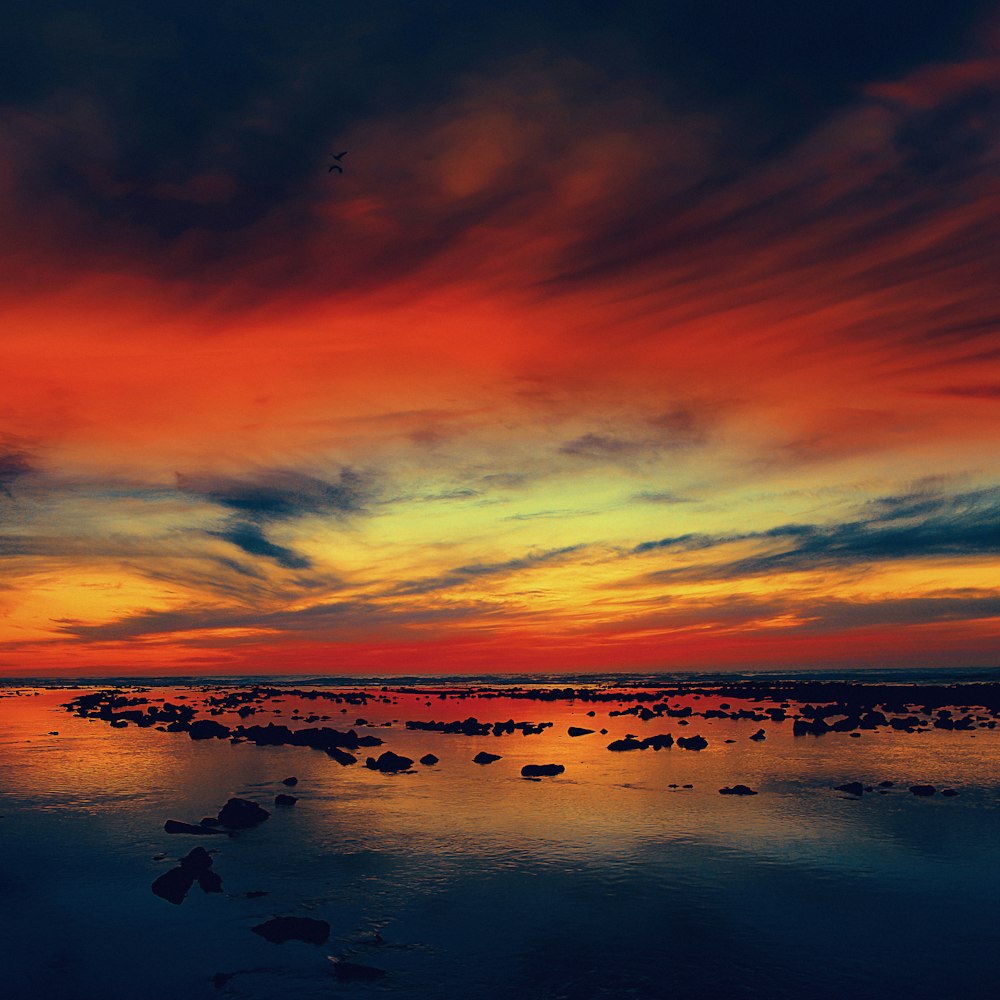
(208, 729)
(210, 881)
(922, 789)
(176, 826)
(759, 735)
(341, 756)
(886, 784)
(242, 814)
(578, 731)
(629, 743)
(281, 799)
(220, 979)
(737, 790)
(352, 972)
(692, 742)
(197, 860)
(949, 792)
(851, 787)
(428, 760)
(485, 758)
(541, 770)
(277, 930)
(290, 781)
(389, 763)
(173, 885)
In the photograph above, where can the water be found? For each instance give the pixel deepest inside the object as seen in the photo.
(601, 883)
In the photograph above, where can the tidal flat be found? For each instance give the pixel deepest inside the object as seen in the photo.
(546, 841)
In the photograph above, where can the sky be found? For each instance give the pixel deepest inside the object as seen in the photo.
(636, 336)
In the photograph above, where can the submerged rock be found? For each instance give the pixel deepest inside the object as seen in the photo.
(736, 790)
(428, 760)
(278, 930)
(389, 763)
(173, 885)
(541, 770)
(353, 972)
(485, 758)
(281, 799)
(176, 826)
(922, 789)
(851, 787)
(341, 756)
(242, 814)
(759, 735)
(692, 742)
(949, 792)
(208, 729)
(290, 781)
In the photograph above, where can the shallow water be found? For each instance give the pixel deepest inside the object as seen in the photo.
(600, 883)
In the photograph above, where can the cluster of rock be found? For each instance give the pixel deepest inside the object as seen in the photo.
(196, 866)
(857, 788)
(473, 727)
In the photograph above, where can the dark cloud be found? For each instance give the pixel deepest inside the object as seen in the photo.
(897, 527)
(280, 495)
(251, 540)
(13, 465)
(462, 575)
(325, 620)
(600, 446)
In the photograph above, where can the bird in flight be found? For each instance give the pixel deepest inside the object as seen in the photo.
(337, 166)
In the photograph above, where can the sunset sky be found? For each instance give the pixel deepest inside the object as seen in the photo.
(632, 336)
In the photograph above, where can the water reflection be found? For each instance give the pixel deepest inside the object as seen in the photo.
(602, 882)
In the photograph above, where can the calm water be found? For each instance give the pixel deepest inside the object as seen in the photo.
(601, 883)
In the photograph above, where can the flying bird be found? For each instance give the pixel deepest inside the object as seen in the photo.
(337, 166)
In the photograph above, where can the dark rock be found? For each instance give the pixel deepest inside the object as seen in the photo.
(692, 742)
(341, 756)
(428, 760)
(737, 790)
(485, 758)
(290, 781)
(541, 770)
(922, 789)
(949, 792)
(389, 763)
(886, 784)
(629, 743)
(197, 860)
(578, 731)
(281, 799)
(759, 735)
(352, 972)
(176, 826)
(851, 787)
(241, 814)
(208, 729)
(173, 885)
(277, 930)
(210, 881)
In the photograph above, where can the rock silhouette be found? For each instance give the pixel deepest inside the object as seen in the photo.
(278, 930)
(736, 790)
(541, 770)
(485, 758)
(242, 814)
(389, 763)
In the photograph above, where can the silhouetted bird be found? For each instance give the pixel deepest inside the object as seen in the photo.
(337, 166)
